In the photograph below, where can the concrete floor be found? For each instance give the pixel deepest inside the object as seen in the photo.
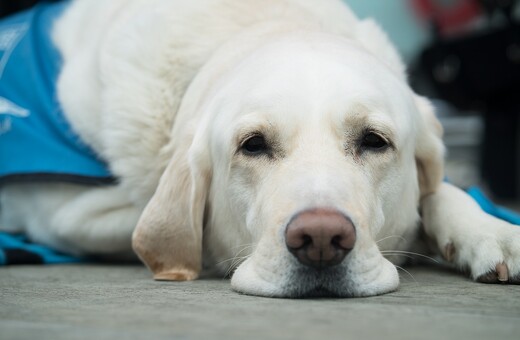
(123, 302)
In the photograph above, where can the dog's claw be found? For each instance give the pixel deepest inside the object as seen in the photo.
(176, 275)
(449, 252)
(499, 275)
(502, 272)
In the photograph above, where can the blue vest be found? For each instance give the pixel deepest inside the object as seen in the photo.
(36, 141)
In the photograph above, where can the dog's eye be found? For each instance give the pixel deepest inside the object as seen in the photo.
(372, 140)
(255, 145)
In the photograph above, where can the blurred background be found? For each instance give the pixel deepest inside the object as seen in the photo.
(465, 56)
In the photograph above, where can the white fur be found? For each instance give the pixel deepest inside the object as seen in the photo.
(165, 91)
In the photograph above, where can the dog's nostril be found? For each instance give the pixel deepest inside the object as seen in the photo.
(306, 241)
(336, 241)
(320, 237)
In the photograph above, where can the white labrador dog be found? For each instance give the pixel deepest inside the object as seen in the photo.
(276, 140)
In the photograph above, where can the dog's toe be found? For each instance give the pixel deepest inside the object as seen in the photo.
(499, 275)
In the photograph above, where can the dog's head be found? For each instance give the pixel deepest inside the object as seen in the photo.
(290, 166)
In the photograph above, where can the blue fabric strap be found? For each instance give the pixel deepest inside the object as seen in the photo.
(16, 249)
(493, 209)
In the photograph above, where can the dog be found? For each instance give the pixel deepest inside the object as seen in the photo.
(275, 141)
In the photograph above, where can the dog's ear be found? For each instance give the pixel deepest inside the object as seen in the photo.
(168, 236)
(429, 148)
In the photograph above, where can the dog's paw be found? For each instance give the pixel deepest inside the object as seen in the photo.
(491, 252)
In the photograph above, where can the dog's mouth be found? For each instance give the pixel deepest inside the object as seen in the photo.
(367, 274)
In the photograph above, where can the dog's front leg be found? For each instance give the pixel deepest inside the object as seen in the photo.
(470, 238)
(99, 221)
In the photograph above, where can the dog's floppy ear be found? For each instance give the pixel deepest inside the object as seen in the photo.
(168, 236)
(429, 148)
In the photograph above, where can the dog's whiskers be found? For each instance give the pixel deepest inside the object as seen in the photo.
(395, 254)
(236, 259)
(234, 264)
(243, 246)
(391, 236)
(407, 254)
(407, 272)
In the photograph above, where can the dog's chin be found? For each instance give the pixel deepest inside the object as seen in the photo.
(319, 292)
(303, 282)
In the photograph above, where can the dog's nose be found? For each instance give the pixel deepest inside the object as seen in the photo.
(320, 237)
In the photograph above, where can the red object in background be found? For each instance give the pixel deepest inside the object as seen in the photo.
(449, 16)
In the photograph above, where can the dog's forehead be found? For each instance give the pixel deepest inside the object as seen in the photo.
(313, 75)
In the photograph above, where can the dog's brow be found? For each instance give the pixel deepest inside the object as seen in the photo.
(247, 130)
(361, 118)
(382, 127)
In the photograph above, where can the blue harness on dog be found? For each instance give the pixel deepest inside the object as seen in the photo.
(36, 141)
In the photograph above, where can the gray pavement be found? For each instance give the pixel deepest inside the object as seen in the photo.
(123, 302)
